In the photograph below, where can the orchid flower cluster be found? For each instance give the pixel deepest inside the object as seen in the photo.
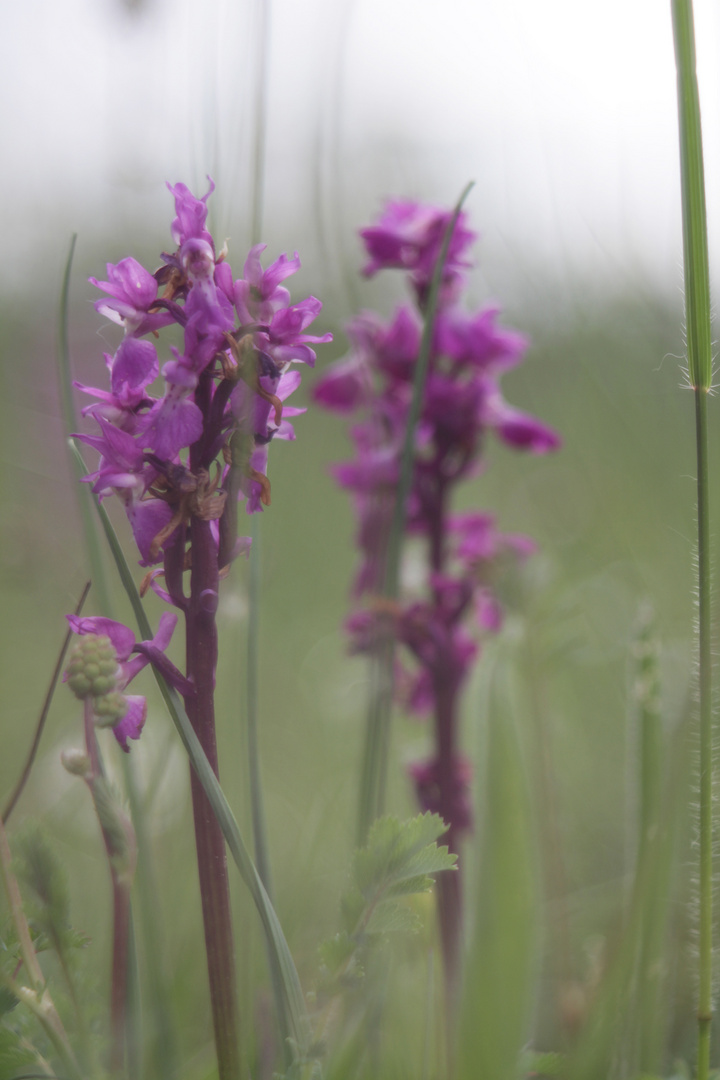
(192, 453)
(179, 463)
(462, 404)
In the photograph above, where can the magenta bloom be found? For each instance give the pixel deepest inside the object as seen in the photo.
(408, 237)
(462, 406)
(224, 389)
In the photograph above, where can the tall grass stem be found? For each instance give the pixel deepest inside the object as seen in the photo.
(699, 347)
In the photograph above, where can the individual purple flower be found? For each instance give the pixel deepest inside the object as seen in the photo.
(191, 214)
(259, 294)
(132, 291)
(408, 236)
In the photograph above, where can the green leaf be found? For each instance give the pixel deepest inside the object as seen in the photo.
(497, 992)
(388, 918)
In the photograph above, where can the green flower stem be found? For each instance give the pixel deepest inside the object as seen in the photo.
(699, 344)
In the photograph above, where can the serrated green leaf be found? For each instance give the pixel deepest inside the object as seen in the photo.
(352, 906)
(430, 860)
(542, 1064)
(336, 952)
(399, 848)
(409, 886)
(390, 918)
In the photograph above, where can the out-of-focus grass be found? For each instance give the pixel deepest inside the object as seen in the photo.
(613, 515)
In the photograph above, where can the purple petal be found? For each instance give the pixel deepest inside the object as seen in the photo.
(132, 723)
(122, 638)
(173, 423)
(135, 365)
(147, 518)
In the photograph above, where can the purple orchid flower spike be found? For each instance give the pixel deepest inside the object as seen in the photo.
(464, 554)
(179, 462)
(112, 654)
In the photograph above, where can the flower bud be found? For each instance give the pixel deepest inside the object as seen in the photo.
(109, 708)
(92, 668)
(76, 762)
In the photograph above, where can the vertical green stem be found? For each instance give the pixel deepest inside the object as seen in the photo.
(706, 742)
(697, 315)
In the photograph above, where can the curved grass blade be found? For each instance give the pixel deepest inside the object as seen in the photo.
(70, 420)
(377, 729)
(297, 1028)
(10, 806)
(699, 346)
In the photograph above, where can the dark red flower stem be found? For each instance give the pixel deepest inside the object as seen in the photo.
(445, 688)
(201, 648)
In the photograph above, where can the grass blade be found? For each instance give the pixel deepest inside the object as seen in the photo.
(10, 805)
(97, 572)
(498, 984)
(699, 346)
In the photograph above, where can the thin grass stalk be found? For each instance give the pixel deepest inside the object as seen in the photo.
(373, 780)
(292, 1008)
(164, 1041)
(262, 855)
(42, 719)
(97, 574)
(699, 347)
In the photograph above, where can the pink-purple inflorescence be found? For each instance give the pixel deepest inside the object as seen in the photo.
(462, 405)
(191, 453)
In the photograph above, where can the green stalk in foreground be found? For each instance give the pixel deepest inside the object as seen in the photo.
(377, 731)
(699, 346)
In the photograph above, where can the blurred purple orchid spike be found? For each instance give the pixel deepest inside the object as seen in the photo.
(462, 406)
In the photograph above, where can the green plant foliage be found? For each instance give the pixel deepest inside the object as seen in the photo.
(14, 1055)
(47, 895)
(399, 860)
(498, 984)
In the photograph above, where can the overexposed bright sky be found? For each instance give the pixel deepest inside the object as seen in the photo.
(562, 112)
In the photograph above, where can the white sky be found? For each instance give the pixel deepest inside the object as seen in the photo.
(562, 112)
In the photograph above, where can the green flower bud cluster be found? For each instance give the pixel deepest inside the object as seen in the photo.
(92, 673)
